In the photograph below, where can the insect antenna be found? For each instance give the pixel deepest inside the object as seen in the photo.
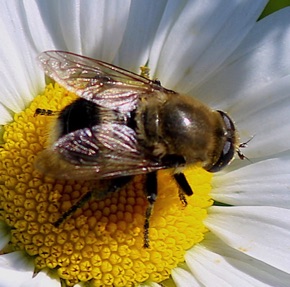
(241, 146)
(44, 112)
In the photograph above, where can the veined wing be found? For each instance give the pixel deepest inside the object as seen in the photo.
(104, 151)
(102, 83)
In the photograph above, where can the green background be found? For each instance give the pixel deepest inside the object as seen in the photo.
(275, 5)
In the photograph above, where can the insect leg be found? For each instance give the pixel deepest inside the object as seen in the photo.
(151, 193)
(184, 187)
(118, 183)
(173, 160)
(115, 184)
(77, 205)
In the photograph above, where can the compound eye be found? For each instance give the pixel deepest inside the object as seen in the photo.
(225, 158)
(229, 148)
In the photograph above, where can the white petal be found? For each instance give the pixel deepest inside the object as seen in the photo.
(216, 264)
(183, 278)
(102, 27)
(15, 268)
(202, 38)
(38, 19)
(20, 77)
(265, 115)
(261, 232)
(212, 270)
(64, 18)
(261, 59)
(150, 284)
(172, 12)
(33, 26)
(5, 234)
(44, 279)
(93, 28)
(5, 116)
(265, 183)
(141, 28)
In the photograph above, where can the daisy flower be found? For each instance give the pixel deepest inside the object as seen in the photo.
(235, 230)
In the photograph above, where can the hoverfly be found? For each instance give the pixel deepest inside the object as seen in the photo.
(124, 124)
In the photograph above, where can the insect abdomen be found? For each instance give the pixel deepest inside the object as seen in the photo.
(78, 115)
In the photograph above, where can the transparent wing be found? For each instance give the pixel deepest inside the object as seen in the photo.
(104, 84)
(107, 150)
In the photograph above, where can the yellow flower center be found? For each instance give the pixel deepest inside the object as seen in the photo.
(103, 240)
